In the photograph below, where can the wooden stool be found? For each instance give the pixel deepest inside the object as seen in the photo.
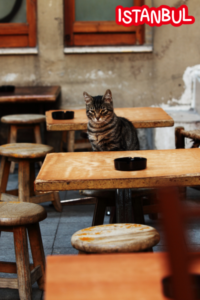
(25, 155)
(115, 238)
(23, 121)
(20, 218)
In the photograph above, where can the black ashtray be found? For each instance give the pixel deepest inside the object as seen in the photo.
(61, 115)
(7, 88)
(168, 287)
(130, 163)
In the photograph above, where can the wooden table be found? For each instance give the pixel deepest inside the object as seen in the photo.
(31, 94)
(141, 117)
(95, 170)
(107, 277)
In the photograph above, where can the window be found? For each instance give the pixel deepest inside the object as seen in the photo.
(92, 23)
(17, 23)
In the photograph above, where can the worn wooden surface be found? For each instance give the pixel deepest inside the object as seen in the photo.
(31, 94)
(17, 213)
(141, 117)
(23, 119)
(25, 192)
(115, 238)
(25, 150)
(95, 170)
(107, 277)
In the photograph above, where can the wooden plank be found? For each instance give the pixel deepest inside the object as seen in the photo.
(141, 117)
(10, 267)
(72, 171)
(56, 202)
(101, 26)
(14, 29)
(104, 39)
(42, 198)
(37, 253)
(24, 181)
(9, 41)
(4, 174)
(32, 94)
(22, 261)
(113, 277)
(8, 283)
(31, 19)
(69, 11)
(36, 274)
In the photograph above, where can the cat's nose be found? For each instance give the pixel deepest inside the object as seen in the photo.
(97, 118)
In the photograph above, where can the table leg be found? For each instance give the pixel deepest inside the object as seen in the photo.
(123, 206)
(70, 141)
(137, 206)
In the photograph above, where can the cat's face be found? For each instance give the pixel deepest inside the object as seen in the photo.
(99, 109)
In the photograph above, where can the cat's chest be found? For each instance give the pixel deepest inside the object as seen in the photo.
(93, 137)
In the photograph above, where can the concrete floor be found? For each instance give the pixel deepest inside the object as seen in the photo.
(58, 228)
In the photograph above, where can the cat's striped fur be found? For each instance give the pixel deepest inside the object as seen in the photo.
(106, 131)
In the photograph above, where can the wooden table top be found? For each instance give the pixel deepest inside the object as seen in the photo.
(31, 94)
(95, 170)
(141, 117)
(107, 277)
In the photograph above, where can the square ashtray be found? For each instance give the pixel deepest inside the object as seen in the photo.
(130, 163)
(7, 88)
(61, 115)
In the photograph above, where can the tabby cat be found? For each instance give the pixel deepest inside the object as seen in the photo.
(106, 131)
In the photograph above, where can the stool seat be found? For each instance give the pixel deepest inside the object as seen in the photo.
(25, 150)
(114, 238)
(20, 213)
(23, 119)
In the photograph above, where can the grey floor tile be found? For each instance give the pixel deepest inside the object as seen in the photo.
(62, 242)
(63, 251)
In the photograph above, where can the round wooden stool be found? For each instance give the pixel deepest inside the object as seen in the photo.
(16, 122)
(19, 218)
(114, 238)
(25, 155)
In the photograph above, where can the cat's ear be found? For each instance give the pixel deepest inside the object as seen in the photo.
(108, 96)
(87, 97)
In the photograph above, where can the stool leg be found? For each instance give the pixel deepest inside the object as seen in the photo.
(70, 141)
(32, 179)
(56, 203)
(38, 138)
(24, 181)
(37, 250)
(4, 173)
(37, 134)
(179, 138)
(13, 139)
(22, 261)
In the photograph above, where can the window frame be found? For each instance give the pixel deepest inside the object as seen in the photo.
(17, 35)
(99, 33)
